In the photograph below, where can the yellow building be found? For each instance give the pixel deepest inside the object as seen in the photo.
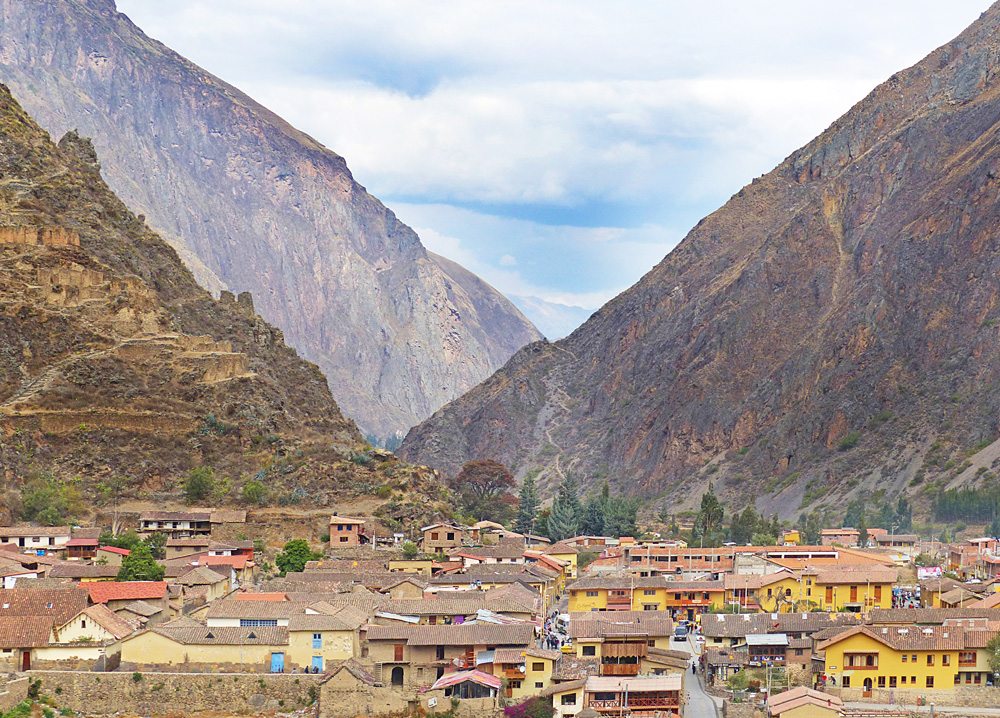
(791, 537)
(914, 657)
(854, 590)
(421, 567)
(314, 639)
(615, 593)
(528, 672)
(620, 639)
(184, 645)
(567, 553)
(783, 591)
(567, 697)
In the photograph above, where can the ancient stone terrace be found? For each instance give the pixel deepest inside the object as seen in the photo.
(39, 236)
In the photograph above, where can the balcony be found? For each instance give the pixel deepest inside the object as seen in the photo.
(967, 664)
(619, 669)
(513, 673)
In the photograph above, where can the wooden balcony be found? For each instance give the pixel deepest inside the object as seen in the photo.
(619, 669)
(513, 673)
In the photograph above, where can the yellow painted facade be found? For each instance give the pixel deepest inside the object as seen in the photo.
(921, 669)
(421, 567)
(151, 647)
(569, 558)
(537, 677)
(835, 597)
(83, 628)
(333, 646)
(588, 600)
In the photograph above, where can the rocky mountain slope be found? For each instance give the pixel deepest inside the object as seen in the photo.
(252, 204)
(832, 330)
(115, 364)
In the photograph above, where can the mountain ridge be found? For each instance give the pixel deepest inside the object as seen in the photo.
(846, 292)
(251, 203)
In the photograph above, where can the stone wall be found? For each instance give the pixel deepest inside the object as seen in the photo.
(179, 693)
(348, 698)
(48, 236)
(12, 692)
(960, 696)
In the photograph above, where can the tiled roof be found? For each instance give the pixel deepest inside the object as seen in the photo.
(247, 596)
(227, 636)
(859, 576)
(508, 655)
(25, 631)
(499, 551)
(562, 548)
(756, 581)
(451, 607)
(73, 542)
(35, 531)
(228, 608)
(189, 542)
(345, 520)
(347, 618)
(87, 532)
(929, 616)
(737, 625)
(562, 687)
(175, 516)
(114, 549)
(355, 669)
(141, 608)
(572, 668)
(201, 576)
(466, 634)
(617, 582)
(104, 591)
(237, 562)
(110, 621)
(81, 570)
(59, 603)
(911, 638)
(544, 653)
(620, 623)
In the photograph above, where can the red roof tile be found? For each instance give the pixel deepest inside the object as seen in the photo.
(114, 549)
(104, 591)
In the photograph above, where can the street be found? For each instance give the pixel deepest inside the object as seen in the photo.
(700, 704)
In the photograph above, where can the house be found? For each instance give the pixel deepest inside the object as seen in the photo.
(613, 592)
(588, 542)
(566, 553)
(178, 547)
(804, 702)
(641, 696)
(409, 587)
(503, 552)
(840, 537)
(111, 555)
(84, 573)
(527, 672)
(118, 594)
(87, 642)
(681, 561)
(233, 613)
(887, 657)
(316, 640)
(779, 592)
(187, 646)
(37, 538)
(468, 684)
(790, 537)
(730, 633)
(202, 585)
(440, 538)
(416, 656)
(176, 524)
(566, 696)
(20, 638)
(346, 532)
(684, 599)
(962, 556)
(81, 548)
(443, 611)
(904, 542)
(421, 567)
(619, 640)
(59, 604)
(854, 590)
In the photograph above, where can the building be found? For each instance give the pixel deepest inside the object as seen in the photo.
(526, 672)
(640, 696)
(854, 590)
(111, 555)
(84, 573)
(81, 548)
(187, 646)
(440, 538)
(779, 592)
(36, 538)
(620, 640)
(840, 537)
(417, 656)
(566, 697)
(566, 553)
(20, 639)
(316, 640)
(905, 543)
(118, 594)
(914, 657)
(346, 532)
(805, 703)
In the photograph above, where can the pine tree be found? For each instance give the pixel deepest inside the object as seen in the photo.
(564, 521)
(528, 507)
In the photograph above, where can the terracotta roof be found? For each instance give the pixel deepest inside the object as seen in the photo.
(797, 697)
(737, 625)
(912, 638)
(201, 576)
(755, 581)
(451, 607)
(82, 542)
(345, 520)
(858, 576)
(247, 596)
(558, 688)
(508, 655)
(929, 616)
(25, 631)
(572, 668)
(604, 624)
(238, 562)
(114, 549)
(189, 542)
(104, 591)
(561, 548)
(59, 603)
(354, 668)
(498, 551)
(544, 653)
(229, 608)
(224, 636)
(466, 634)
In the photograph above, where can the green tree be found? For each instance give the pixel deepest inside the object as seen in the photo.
(140, 566)
(763, 539)
(484, 491)
(709, 518)
(157, 543)
(199, 484)
(527, 510)
(862, 531)
(995, 527)
(595, 513)
(904, 515)
(620, 513)
(254, 492)
(409, 550)
(993, 654)
(564, 518)
(810, 527)
(294, 556)
(744, 525)
(128, 540)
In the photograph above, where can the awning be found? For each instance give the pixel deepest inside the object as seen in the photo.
(623, 650)
(451, 679)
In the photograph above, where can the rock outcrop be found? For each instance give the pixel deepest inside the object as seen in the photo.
(833, 329)
(251, 203)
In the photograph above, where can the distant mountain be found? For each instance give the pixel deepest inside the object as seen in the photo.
(831, 332)
(554, 320)
(251, 203)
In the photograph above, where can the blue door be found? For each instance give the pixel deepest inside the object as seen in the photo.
(277, 663)
(317, 665)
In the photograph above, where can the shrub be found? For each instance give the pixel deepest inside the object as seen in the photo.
(849, 441)
(199, 484)
(409, 550)
(137, 677)
(254, 492)
(531, 708)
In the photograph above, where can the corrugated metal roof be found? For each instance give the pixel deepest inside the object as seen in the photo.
(767, 639)
(615, 684)
(451, 679)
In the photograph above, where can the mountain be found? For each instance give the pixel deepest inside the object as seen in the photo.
(115, 364)
(252, 204)
(554, 320)
(831, 333)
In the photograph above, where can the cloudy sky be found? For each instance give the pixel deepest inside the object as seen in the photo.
(560, 148)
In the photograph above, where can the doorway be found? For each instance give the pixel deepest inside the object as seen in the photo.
(397, 676)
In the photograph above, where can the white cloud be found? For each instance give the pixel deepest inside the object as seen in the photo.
(508, 261)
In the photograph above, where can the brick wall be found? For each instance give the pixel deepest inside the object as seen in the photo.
(182, 693)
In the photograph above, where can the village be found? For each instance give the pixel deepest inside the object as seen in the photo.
(476, 619)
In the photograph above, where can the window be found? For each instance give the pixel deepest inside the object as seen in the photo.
(590, 650)
(930, 681)
(809, 592)
(847, 682)
(930, 659)
(946, 660)
(903, 679)
(83, 623)
(977, 678)
(798, 651)
(255, 622)
(651, 607)
(397, 652)
(967, 658)
(892, 681)
(539, 666)
(881, 681)
(317, 640)
(913, 680)
(568, 699)
(539, 684)
(913, 657)
(451, 535)
(878, 593)
(343, 539)
(649, 592)
(788, 592)
(514, 684)
(677, 597)
(904, 658)
(434, 536)
(768, 593)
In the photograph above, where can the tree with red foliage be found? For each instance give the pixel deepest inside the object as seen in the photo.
(484, 489)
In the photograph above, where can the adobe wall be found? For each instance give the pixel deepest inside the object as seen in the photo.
(177, 693)
(47, 236)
